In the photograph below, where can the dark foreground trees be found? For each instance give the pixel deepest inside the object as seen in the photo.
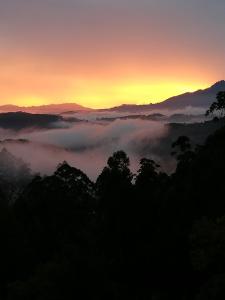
(128, 236)
(218, 106)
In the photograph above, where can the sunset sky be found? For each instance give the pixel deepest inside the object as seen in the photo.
(101, 53)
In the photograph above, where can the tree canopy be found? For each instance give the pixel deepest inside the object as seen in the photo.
(148, 235)
(218, 105)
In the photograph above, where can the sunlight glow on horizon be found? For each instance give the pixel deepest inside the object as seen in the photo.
(101, 54)
(109, 96)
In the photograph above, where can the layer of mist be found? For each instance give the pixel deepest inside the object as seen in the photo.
(87, 144)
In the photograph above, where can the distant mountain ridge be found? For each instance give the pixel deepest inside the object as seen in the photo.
(21, 120)
(45, 109)
(200, 98)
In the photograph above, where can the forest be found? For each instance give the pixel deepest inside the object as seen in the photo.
(148, 235)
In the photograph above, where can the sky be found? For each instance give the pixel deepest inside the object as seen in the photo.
(101, 53)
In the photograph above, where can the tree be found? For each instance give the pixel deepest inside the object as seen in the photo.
(115, 174)
(114, 188)
(183, 152)
(149, 185)
(207, 240)
(56, 210)
(147, 171)
(182, 144)
(15, 174)
(218, 105)
(208, 245)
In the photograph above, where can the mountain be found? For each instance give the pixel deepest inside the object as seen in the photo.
(45, 109)
(22, 120)
(178, 118)
(200, 98)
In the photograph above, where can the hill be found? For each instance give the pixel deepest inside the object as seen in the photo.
(200, 98)
(22, 120)
(45, 109)
(178, 118)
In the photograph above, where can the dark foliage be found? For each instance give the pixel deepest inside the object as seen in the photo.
(127, 236)
(218, 105)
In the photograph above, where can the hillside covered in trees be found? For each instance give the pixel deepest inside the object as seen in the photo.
(148, 235)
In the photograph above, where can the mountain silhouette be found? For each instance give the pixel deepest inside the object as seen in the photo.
(200, 98)
(22, 120)
(45, 109)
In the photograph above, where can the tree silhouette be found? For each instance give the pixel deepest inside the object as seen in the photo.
(114, 189)
(218, 105)
(15, 174)
(182, 144)
(117, 173)
(183, 153)
(149, 236)
(148, 169)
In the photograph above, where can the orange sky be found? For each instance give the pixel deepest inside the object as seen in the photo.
(104, 53)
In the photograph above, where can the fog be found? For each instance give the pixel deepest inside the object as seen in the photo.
(88, 143)
(95, 115)
(85, 145)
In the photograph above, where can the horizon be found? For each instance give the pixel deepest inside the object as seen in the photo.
(101, 54)
(121, 104)
(180, 90)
